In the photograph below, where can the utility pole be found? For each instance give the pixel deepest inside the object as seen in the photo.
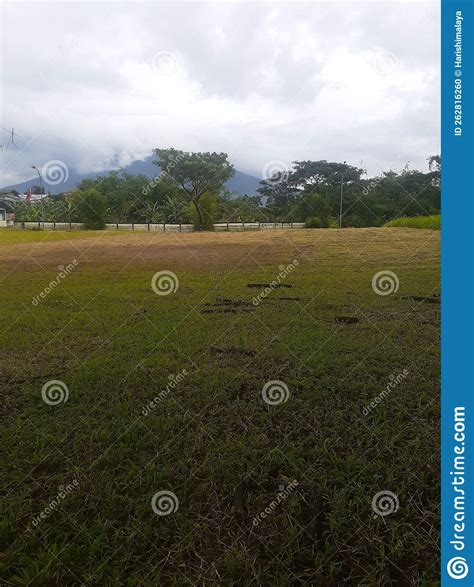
(41, 190)
(340, 206)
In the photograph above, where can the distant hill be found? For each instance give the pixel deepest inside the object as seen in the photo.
(241, 182)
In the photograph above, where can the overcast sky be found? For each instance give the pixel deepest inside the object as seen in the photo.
(98, 84)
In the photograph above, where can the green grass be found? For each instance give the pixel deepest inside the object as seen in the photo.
(10, 236)
(428, 222)
(212, 440)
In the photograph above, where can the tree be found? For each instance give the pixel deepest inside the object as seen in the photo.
(122, 191)
(315, 174)
(312, 205)
(280, 194)
(241, 209)
(207, 207)
(91, 207)
(195, 173)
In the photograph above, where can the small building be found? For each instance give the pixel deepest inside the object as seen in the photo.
(8, 194)
(7, 213)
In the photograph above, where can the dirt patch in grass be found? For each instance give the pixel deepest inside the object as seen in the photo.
(346, 319)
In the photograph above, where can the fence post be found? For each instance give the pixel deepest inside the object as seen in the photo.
(227, 226)
(133, 226)
(164, 227)
(180, 227)
(116, 224)
(148, 227)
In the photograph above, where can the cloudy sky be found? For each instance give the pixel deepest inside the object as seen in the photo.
(101, 84)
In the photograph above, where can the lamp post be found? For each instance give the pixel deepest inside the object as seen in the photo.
(340, 205)
(41, 190)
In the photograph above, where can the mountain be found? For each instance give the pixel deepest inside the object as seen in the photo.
(240, 182)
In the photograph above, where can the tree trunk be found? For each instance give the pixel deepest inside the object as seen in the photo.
(198, 210)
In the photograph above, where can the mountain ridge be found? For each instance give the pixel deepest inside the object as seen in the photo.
(240, 182)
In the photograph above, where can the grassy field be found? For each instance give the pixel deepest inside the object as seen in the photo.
(427, 222)
(263, 491)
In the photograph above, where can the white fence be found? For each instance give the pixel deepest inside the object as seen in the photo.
(38, 225)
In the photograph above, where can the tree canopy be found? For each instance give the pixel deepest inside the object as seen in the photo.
(195, 173)
(189, 187)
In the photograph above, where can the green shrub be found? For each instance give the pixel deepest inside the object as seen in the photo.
(429, 222)
(313, 222)
(91, 208)
(208, 208)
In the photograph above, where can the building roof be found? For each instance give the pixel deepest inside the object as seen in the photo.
(7, 206)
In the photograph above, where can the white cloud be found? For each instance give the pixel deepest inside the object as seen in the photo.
(260, 81)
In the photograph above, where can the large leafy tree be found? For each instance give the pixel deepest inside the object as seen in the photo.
(195, 173)
(314, 174)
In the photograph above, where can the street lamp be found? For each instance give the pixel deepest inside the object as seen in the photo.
(340, 206)
(41, 192)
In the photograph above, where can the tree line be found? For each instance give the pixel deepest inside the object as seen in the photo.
(190, 187)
